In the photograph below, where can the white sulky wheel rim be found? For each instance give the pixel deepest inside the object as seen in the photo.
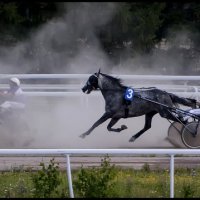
(191, 135)
(174, 134)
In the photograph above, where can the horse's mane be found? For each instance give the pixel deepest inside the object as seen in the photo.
(116, 80)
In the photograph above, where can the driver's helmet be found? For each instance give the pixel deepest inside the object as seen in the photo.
(15, 80)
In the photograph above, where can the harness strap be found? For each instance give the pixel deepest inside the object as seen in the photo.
(126, 111)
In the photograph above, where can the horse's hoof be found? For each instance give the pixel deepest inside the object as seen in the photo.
(123, 127)
(132, 139)
(82, 136)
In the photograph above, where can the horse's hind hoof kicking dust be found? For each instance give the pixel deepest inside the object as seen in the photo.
(83, 135)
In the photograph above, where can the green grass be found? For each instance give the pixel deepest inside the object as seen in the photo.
(129, 183)
(15, 184)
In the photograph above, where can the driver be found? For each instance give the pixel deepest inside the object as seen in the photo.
(14, 97)
(195, 111)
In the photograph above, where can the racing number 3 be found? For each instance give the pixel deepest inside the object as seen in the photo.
(129, 94)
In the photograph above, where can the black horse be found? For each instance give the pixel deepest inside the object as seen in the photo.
(124, 102)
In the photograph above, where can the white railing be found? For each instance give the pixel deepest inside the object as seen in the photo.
(85, 76)
(75, 89)
(121, 152)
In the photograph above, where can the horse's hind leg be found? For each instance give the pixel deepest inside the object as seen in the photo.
(112, 123)
(148, 120)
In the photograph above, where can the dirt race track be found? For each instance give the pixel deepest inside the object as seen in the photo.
(49, 127)
(135, 162)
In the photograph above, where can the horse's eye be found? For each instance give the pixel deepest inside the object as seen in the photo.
(92, 79)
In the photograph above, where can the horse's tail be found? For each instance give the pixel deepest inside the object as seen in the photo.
(193, 103)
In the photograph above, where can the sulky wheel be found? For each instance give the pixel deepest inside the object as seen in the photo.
(174, 134)
(191, 135)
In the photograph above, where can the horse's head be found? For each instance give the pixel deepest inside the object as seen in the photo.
(91, 84)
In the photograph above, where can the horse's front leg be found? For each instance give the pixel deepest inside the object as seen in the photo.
(148, 120)
(97, 123)
(112, 123)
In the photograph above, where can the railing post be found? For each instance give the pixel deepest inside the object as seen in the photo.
(172, 176)
(71, 193)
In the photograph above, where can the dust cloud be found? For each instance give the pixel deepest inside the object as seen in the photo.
(52, 44)
(57, 122)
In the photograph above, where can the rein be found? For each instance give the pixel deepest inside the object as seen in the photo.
(171, 108)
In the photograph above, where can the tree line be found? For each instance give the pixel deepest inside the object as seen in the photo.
(137, 26)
